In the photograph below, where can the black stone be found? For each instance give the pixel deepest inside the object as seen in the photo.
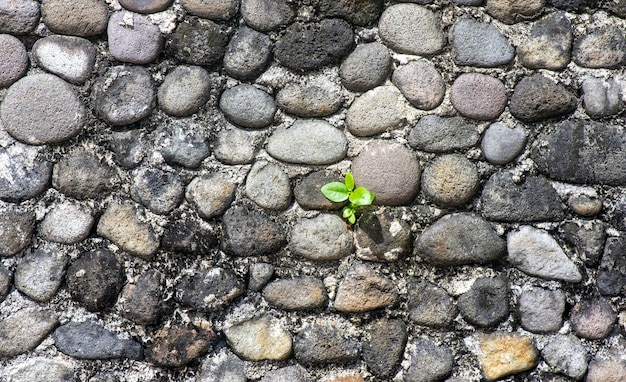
(612, 272)
(587, 239)
(382, 237)
(128, 148)
(570, 5)
(179, 345)
(321, 344)
(247, 232)
(188, 235)
(89, 340)
(198, 42)
(359, 12)
(384, 346)
(429, 304)
(537, 98)
(210, 289)
(486, 303)
(144, 301)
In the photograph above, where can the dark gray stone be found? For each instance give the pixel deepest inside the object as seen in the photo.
(486, 303)
(382, 236)
(184, 144)
(6, 280)
(188, 235)
(309, 100)
(40, 273)
(429, 304)
(209, 290)
(587, 238)
(384, 346)
(184, 90)
(146, 6)
(549, 45)
(366, 67)
(157, 190)
(360, 13)
(300, 293)
(537, 98)
(89, 340)
(223, 367)
(133, 38)
(247, 54)
(83, 175)
(23, 330)
(129, 147)
(541, 310)
(325, 343)
(248, 106)
(511, 12)
(213, 10)
(266, 15)
(611, 279)
(601, 48)
(16, 230)
(142, 301)
(247, 232)
(479, 44)
(593, 319)
(308, 192)
(429, 362)
(569, 5)
(199, 42)
(442, 134)
(288, 374)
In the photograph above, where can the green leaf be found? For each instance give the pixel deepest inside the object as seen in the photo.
(352, 219)
(349, 181)
(361, 197)
(347, 211)
(335, 192)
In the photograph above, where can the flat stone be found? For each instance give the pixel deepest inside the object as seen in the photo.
(23, 330)
(611, 279)
(580, 151)
(266, 15)
(16, 230)
(95, 279)
(535, 252)
(537, 98)
(41, 369)
(602, 98)
(124, 95)
(224, 366)
(210, 289)
(19, 17)
(502, 354)
(247, 232)
(429, 304)
(389, 170)
(600, 48)
(384, 346)
(310, 142)
(549, 45)
(6, 281)
(89, 340)
(309, 100)
(259, 275)
(237, 146)
(157, 190)
(212, 10)
(259, 339)
(486, 303)
(587, 239)
(269, 186)
(180, 345)
(247, 53)
(81, 174)
(309, 46)
(364, 289)
(14, 59)
(593, 319)
(479, 44)
(382, 236)
(376, 111)
(411, 29)
(541, 310)
(509, 11)
(361, 13)
(133, 38)
(585, 205)
(77, 18)
(71, 58)
(429, 362)
(567, 355)
(294, 373)
(128, 147)
(300, 293)
(322, 238)
(420, 83)
(308, 192)
(42, 109)
(198, 42)
(450, 180)
(366, 67)
(184, 144)
(184, 90)
(501, 144)
(442, 134)
(478, 96)
(458, 239)
(146, 6)
(533, 199)
(187, 234)
(142, 301)
(40, 273)
(248, 106)
(324, 342)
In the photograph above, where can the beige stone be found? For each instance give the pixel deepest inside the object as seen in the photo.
(363, 289)
(259, 339)
(502, 354)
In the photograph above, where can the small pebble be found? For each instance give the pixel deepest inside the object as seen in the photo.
(187, 234)
(19, 17)
(450, 180)
(322, 238)
(567, 355)
(478, 96)
(442, 134)
(88, 17)
(157, 190)
(430, 305)
(23, 330)
(198, 42)
(593, 319)
(266, 15)
(501, 144)
(308, 192)
(259, 339)
(511, 12)
(550, 43)
(248, 106)
(14, 59)
(184, 90)
(384, 346)
(72, 339)
(602, 98)
(300, 293)
(309, 100)
(541, 310)
(601, 48)
(364, 289)
(212, 10)
(429, 361)
(503, 354)
(178, 345)
(237, 146)
(82, 175)
(376, 111)
(420, 83)
(259, 275)
(611, 279)
(537, 98)
(361, 13)
(41, 369)
(143, 300)
(411, 29)
(269, 186)
(133, 38)
(223, 366)
(184, 144)
(211, 194)
(40, 273)
(247, 54)
(486, 303)
(366, 67)
(209, 290)
(146, 6)
(247, 232)
(382, 237)
(71, 58)
(326, 341)
(479, 44)
(16, 230)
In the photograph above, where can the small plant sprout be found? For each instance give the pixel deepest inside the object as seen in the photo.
(339, 192)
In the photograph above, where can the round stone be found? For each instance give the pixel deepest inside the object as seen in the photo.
(450, 180)
(436, 134)
(237, 146)
(389, 170)
(325, 237)
(248, 106)
(268, 186)
(309, 100)
(383, 346)
(486, 303)
(479, 44)
(24, 329)
(40, 273)
(146, 6)
(382, 236)
(247, 232)
(259, 339)
(326, 341)
(184, 144)
(602, 98)
(411, 29)
(133, 38)
(247, 53)
(541, 310)
(14, 59)
(142, 301)
(66, 223)
(157, 190)
(309, 195)
(19, 17)
(420, 83)
(429, 362)
(550, 43)
(212, 10)
(71, 58)
(42, 109)
(266, 15)
(602, 48)
(211, 194)
(364, 289)
(478, 96)
(376, 111)
(300, 293)
(593, 319)
(366, 67)
(430, 305)
(501, 144)
(184, 90)
(537, 97)
(210, 289)
(82, 175)
(198, 42)
(567, 355)
(75, 18)
(511, 12)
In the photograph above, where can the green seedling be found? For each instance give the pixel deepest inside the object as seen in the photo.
(340, 192)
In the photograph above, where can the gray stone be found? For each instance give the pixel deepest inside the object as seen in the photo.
(247, 54)
(259, 339)
(133, 38)
(602, 98)
(322, 238)
(568, 5)
(360, 13)
(23, 330)
(237, 146)
(41, 369)
(389, 170)
(311, 142)
(294, 373)
(411, 29)
(324, 342)
(537, 97)
(442, 134)
(479, 44)
(308, 192)
(384, 346)
(76, 18)
(89, 340)
(366, 67)
(142, 301)
(178, 345)
(223, 367)
(213, 10)
(420, 83)
(209, 290)
(511, 12)
(6, 281)
(198, 42)
(458, 239)
(549, 45)
(541, 310)
(532, 199)
(266, 15)
(247, 232)
(429, 362)
(211, 194)
(535, 252)
(567, 355)
(609, 369)
(309, 100)
(42, 109)
(157, 190)
(299, 293)
(587, 238)
(184, 90)
(429, 304)
(486, 303)
(82, 175)
(268, 186)
(95, 279)
(580, 151)
(71, 58)
(259, 275)
(146, 6)
(16, 230)
(467, 2)
(314, 45)
(14, 59)
(363, 289)
(376, 111)
(184, 144)
(248, 106)
(124, 95)
(611, 279)
(129, 147)
(450, 180)
(593, 319)
(186, 234)
(40, 273)
(382, 236)
(501, 144)
(18, 17)
(478, 96)
(601, 48)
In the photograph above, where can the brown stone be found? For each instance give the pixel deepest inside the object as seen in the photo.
(514, 11)
(502, 354)
(478, 96)
(301, 293)
(179, 345)
(363, 289)
(76, 18)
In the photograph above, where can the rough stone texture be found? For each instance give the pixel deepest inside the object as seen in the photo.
(478, 96)
(146, 6)
(383, 349)
(237, 146)
(602, 98)
(486, 303)
(429, 362)
(188, 235)
(537, 98)
(612, 271)
(366, 67)
(259, 275)
(179, 345)
(382, 237)
(567, 355)
(301, 293)
(89, 17)
(90, 340)
(288, 374)
(198, 42)
(247, 232)
(209, 290)
(429, 304)
(184, 91)
(376, 111)
(479, 44)
(184, 145)
(128, 147)
(266, 15)
(585, 205)
(15, 59)
(23, 330)
(211, 194)
(269, 186)
(40, 273)
(247, 54)
(133, 38)
(411, 29)
(248, 106)
(6, 280)
(601, 48)
(259, 339)
(587, 238)
(420, 83)
(611, 369)
(360, 13)
(309, 100)
(325, 237)
(458, 239)
(541, 310)
(16, 230)
(513, 11)
(81, 174)
(363, 289)
(213, 10)
(593, 319)
(308, 195)
(19, 17)
(549, 46)
(502, 144)
(440, 134)
(450, 180)
(41, 369)
(225, 367)
(142, 301)
(389, 170)
(157, 190)
(502, 354)
(323, 342)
